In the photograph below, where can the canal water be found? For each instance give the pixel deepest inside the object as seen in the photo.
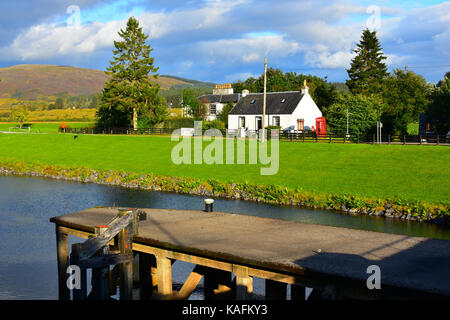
(27, 238)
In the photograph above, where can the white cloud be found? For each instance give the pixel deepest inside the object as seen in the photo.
(250, 49)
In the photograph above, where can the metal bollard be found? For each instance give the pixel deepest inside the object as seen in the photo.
(209, 205)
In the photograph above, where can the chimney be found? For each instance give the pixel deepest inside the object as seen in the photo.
(305, 89)
(245, 92)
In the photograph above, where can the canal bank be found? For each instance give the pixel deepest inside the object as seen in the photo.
(400, 209)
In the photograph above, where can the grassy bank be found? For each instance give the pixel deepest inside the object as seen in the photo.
(401, 175)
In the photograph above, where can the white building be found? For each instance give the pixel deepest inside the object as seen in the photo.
(291, 110)
(222, 94)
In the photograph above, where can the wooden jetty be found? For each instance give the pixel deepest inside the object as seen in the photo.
(229, 250)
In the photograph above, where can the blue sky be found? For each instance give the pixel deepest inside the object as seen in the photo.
(224, 41)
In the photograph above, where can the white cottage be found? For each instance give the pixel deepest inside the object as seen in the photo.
(222, 94)
(291, 110)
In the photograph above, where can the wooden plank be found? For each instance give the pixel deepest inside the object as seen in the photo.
(62, 252)
(191, 283)
(275, 290)
(92, 245)
(164, 269)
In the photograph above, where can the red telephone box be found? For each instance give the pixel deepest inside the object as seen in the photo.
(321, 126)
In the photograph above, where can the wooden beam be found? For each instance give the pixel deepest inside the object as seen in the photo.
(275, 290)
(191, 283)
(164, 271)
(244, 283)
(62, 252)
(106, 260)
(92, 245)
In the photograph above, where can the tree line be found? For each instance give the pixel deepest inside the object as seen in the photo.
(371, 93)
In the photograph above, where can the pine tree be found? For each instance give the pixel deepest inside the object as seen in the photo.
(367, 70)
(130, 86)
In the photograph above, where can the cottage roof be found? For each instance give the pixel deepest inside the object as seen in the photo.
(276, 103)
(220, 98)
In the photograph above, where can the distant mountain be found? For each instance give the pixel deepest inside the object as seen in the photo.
(40, 81)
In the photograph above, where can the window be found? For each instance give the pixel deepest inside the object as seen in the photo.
(276, 121)
(212, 109)
(300, 124)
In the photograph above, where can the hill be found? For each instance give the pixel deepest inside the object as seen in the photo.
(29, 82)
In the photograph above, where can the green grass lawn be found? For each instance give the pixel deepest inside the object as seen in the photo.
(386, 171)
(43, 127)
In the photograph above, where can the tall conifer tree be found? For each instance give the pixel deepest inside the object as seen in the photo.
(367, 70)
(130, 87)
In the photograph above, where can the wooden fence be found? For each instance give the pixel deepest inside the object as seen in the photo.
(293, 136)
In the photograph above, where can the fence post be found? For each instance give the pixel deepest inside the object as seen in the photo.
(389, 138)
(420, 139)
(330, 137)
(437, 139)
(357, 137)
(404, 139)
(373, 139)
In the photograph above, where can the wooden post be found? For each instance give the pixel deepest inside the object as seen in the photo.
(275, 290)
(298, 292)
(216, 283)
(126, 269)
(147, 275)
(78, 294)
(100, 276)
(244, 283)
(62, 252)
(164, 271)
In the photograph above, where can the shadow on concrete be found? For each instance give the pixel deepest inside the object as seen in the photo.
(421, 271)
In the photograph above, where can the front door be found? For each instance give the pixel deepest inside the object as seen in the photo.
(258, 124)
